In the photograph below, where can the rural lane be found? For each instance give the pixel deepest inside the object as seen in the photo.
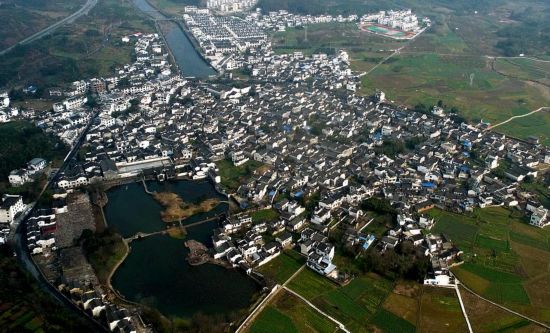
(520, 116)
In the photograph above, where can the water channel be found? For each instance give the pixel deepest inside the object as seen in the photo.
(190, 62)
(155, 272)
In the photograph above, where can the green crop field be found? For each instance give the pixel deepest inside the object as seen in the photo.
(287, 313)
(272, 320)
(282, 267)
(388, 322)
(492, 243)
(310, 284)
(506, 260)
(353, 305)
(441, 311)
(461, 229)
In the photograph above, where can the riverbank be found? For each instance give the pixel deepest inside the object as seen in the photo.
(187, 58)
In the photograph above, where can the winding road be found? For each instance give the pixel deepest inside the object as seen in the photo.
(85, 9)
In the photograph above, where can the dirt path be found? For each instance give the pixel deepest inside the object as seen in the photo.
(505, 308)
(339, 324)
(396, 52)
(250, 319)
(520, 116)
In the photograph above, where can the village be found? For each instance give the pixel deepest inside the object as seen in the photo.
(322, 149)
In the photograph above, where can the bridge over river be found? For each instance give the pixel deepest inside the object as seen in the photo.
(141, 235)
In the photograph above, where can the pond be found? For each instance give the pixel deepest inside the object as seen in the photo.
(155, 272)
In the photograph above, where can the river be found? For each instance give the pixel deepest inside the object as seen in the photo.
(156, 273)
(190, 62)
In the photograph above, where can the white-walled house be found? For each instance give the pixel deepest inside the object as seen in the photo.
(9, 208)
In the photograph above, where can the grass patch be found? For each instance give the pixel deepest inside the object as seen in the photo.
(264, 215)
(103, 250)
(233, 176)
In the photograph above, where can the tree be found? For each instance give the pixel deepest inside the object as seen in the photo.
(378, 205)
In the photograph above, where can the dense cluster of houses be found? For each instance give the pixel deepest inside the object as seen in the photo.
(282, 19)
(314, 137)
(222, 37)
(230, 6)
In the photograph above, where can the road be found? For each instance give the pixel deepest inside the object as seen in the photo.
(85, 9)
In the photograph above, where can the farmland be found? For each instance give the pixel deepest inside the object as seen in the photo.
(368, 303)
(506, 260)
(441, 311)
(356, 305)
(486, 317)
(287, 313)
(282, 267)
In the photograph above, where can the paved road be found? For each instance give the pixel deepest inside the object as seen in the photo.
(83, 10)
